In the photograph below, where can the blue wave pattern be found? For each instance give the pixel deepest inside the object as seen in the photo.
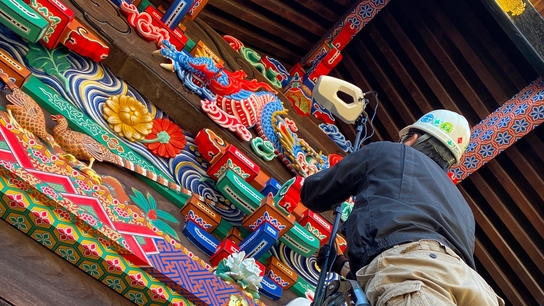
(334, 133)
(91, 84)
(305, 267)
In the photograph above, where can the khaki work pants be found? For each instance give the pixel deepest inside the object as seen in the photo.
(424, 273)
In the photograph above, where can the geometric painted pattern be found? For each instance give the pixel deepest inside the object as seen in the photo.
(28, 205)
(358, 17)
(181, 272)
(97, 232)
(502, 128)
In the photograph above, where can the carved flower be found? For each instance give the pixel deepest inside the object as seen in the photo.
(237, 301)
(166, 138)
(128, 117)
(241, 271)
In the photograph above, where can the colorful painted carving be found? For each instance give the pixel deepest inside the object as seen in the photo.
(239, 192)
(254, 59)
(197, 7)
(84, 147)
(127, 117)
(233, 159)
(53, 62)
(267, 212)
(332, 131)
(145, 244)
(279, 273)
(198, 211)
(84, 42)
(259, 241)
(57, 102)
(210, 145)
(148, 24)
(15, 71)
(288, 195)
(316, 225)
(176, 12)
(515, 7)
(25, 113)
(300, 240)
(166, 138)
(234, 42)
(57, 14)
(23, 20)
(225, 249)
(201, 50)
(153, 215)
(204, 241)
(241, 269)
(263, 149)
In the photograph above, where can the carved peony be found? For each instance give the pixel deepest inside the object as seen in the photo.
(128, 117)
(166, 138)
(241, 271)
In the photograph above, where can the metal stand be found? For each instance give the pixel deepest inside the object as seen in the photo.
(319, 296)
(360, 125)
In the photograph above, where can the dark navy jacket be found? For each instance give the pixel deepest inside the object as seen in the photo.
(401, 196)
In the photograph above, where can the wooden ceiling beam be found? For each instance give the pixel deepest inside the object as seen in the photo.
(420, 63)
(281, 52)
(484, 37)
(285, 11)
(529, 171)
(345, 3)
(476, 64)
(434, 38)
(385, 83)
(513, 225)
(517, 194)
(497, 273)
(321, 9)
(505, 250)
(399, 68)
(382, 114)
(263, 22)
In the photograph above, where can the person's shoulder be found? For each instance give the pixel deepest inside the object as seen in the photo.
(381, 145)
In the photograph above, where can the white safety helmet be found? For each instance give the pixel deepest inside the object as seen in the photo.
(449, 127)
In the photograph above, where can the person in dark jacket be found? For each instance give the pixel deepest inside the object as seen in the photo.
(410, 235)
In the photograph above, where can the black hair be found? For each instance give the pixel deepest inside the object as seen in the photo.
(432, 147)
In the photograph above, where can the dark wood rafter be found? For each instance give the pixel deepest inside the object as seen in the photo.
(320, 9)
(501, 244)
(248, 37)
(290, 14)
(262, 20)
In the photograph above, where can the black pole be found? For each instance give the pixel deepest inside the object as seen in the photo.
(318, 298)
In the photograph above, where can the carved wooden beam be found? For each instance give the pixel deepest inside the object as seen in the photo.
(358, 16)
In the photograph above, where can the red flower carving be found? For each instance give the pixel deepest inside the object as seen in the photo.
(166, 138)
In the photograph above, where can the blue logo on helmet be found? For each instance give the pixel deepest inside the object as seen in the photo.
(427, 118)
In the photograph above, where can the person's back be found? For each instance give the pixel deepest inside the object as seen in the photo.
(411, 233)
(404, 196)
